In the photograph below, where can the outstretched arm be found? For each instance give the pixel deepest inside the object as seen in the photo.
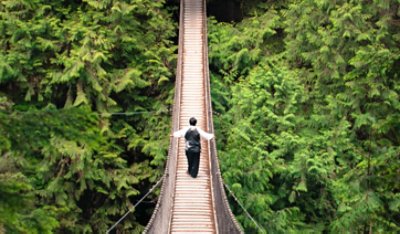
(180, 133)
(205, 135)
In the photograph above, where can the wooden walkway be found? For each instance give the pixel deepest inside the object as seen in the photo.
(193, 206)
(186, 204)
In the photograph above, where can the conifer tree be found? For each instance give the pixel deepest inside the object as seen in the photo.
(323, 157)
(65, 68)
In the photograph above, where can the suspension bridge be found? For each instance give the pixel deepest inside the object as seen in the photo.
(186, 204)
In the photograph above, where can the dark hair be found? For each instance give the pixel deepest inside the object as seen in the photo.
(193, 121)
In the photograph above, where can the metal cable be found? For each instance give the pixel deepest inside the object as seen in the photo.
(95, 113)
(137, 203)
(126, 113)
(244, 209)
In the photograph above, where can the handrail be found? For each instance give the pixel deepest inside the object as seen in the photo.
(226, 221)
(206, 82)
(161, 217)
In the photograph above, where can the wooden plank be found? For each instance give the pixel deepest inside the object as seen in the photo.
(192, 210)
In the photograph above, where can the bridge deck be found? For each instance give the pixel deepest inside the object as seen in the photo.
(192, 205)
(188, 205)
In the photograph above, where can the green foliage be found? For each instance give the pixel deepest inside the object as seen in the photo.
(65, 67)
(17, 211)
(306, 95)
(308, 125)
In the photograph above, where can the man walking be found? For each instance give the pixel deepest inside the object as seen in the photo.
(192, 136)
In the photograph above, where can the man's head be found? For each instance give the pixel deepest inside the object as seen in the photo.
(193, 121)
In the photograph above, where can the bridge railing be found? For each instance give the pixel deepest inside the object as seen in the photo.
(226, 221)
(160, 220)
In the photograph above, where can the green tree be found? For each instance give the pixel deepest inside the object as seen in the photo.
(65, 68)
(323, 161)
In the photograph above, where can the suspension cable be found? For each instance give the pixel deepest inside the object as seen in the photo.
(244, 209)
(104, 114)
(126, 113)
(137, 203)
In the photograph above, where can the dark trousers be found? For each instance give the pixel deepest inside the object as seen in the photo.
(193, 163)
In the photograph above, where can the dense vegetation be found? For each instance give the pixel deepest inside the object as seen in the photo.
(306, 102)
(308, 114)
(68, 163)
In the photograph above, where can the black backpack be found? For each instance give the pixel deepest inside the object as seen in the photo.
(192, 137)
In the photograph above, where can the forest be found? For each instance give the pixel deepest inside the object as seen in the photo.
(305, 99)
